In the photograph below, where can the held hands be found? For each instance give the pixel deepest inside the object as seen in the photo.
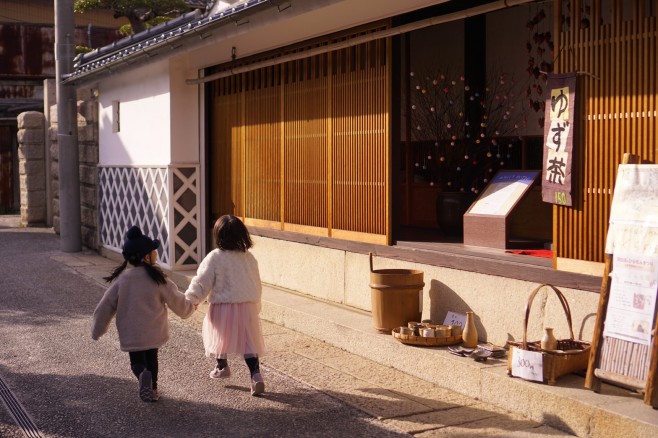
(196, 305)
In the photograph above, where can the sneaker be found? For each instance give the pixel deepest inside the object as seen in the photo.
(257, 385)
(156, 396)
(145, 388)
(220, 374)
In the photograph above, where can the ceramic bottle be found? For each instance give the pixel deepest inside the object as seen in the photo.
(470, 333)
(548, 341)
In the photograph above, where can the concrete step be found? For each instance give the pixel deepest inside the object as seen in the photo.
(567, 406)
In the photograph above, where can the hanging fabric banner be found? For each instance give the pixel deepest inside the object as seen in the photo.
(558, 139)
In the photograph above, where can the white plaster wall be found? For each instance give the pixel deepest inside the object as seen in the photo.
(271, 29)
(498, 302)
(358, 7)
(144, 136)
(301, 267)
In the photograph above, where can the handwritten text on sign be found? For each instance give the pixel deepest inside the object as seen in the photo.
(528, 365)
(453, 318)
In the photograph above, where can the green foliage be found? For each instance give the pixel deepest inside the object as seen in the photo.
(157, 21)
(140, 13)
(127, 29)
(123, 8)
(82, 49)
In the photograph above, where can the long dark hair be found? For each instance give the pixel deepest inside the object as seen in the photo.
(231, 234)
(154, 271)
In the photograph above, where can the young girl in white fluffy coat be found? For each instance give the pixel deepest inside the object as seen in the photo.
(228, 276)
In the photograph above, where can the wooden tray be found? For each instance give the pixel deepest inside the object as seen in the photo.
(425, 342)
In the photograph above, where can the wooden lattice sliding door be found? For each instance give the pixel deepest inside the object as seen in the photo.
(226, 147)
(360, 94)
(262, 146)
(303, 145)
(612, 44)
(305, 136)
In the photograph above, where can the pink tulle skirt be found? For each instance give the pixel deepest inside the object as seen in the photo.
(233, 328)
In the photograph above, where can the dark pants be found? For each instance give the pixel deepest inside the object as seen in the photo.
(141, 360)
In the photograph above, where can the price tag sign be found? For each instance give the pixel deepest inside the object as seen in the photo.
(453, 318)
(528, 365)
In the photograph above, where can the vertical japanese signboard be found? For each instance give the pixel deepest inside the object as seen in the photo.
(558, 139)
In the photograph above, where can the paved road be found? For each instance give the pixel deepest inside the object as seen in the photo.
(71, 386)
(74, 387)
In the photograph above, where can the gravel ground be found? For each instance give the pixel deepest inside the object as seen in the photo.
(72, 386)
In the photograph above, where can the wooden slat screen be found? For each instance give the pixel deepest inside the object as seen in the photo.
(303, 145)
(305, 138)
(359, 84)
(615, 52)
(262, 160)
(226, 145)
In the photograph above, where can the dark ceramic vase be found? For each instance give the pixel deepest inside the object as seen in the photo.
(450, 209)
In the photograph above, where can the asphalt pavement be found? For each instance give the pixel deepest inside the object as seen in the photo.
(56, 382)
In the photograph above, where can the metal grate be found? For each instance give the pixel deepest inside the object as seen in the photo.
(18, 412)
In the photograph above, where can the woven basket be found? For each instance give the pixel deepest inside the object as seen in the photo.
(571, 355)
(425, 341)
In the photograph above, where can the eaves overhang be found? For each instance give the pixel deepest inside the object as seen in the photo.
(157, 41)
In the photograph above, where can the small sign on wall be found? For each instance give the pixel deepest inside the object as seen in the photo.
(632, 303)
(503, 193)
(527, 364)
(453, 318)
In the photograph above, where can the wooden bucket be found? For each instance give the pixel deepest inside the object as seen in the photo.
(396, 297)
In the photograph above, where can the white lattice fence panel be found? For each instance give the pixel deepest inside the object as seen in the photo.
(134, 196)
(185, 202)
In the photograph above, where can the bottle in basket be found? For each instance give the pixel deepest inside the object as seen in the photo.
(548, 341)
(470, 333)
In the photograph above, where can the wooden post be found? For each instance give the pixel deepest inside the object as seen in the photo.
(651, 395)
(591, 381)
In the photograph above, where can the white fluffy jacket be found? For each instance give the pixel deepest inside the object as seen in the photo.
(226, 277)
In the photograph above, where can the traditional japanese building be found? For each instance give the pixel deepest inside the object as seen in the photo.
(333, 127)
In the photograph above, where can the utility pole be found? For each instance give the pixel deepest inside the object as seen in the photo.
(67, 130)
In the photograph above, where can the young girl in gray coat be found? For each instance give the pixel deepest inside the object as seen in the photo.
(139, 299)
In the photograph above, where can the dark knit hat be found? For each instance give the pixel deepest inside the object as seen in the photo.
(137, 245)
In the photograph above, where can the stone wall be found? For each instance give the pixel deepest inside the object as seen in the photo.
(32, 168)
(88, 160)
(33, 172)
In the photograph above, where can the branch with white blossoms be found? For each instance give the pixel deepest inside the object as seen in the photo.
(458, 153)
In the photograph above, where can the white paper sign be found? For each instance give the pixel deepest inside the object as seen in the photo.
(636, 195)
(453, 318)
(502, 193)
(632, 303)
(528, 365)
(634, 212)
